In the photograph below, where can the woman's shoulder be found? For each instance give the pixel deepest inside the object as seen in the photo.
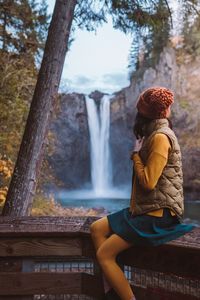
(160, 143)
(161, 138)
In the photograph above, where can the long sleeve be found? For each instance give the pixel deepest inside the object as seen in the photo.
(149, 174)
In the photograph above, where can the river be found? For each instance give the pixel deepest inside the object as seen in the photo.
(110, 204)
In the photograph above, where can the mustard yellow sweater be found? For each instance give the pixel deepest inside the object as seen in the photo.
(149, 174)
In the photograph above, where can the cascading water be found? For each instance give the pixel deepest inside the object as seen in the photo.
(99, 128)
(101, 166)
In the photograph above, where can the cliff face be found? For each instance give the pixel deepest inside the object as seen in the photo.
(121, 137)
(71, 161)
(181, 74)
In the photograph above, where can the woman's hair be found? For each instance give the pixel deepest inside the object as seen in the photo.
(141, 123)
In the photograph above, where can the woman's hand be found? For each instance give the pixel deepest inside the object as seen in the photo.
(138, 145)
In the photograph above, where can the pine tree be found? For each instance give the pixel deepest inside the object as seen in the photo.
(23, 182)
(23, 26)
(127, 16)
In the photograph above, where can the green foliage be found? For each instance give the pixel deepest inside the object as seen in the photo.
(47, 205)
(89, 14)
(6, 168)
(147, 20)
(151, 37)
(23, 26)
(191, 35)
(43, 205)
(155, 31)
(184, 104)
(17, 77)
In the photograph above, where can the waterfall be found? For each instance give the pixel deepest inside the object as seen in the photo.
(99, 129)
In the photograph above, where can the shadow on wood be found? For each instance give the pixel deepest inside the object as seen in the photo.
(41, 256)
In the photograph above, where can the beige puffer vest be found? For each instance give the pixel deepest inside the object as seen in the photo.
(169, 189)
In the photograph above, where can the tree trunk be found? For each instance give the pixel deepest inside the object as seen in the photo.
(23, 183)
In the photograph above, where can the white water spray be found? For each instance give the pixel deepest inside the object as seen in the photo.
(99, 128)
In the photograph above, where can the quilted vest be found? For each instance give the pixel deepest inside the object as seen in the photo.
(168, 191)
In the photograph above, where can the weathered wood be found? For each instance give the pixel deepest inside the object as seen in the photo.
(23, 182)
(10, 265)
(73, 226)
(16, 297)
(190, 240)
(40, 283)
(88, 249)
(92, 286)
(159, 294)
(165, 258)
(40, 246)
(41, 226)
(23, 244)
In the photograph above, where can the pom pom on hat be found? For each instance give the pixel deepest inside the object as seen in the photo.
(153, 102)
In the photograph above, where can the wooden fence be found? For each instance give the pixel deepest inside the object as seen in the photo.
(53, 258)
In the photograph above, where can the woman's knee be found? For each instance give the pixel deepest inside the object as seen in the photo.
(99, 227)
(94, 228)
(111, 248)
(103, 256)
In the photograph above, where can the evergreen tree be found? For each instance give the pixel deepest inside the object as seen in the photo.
(23, 182)
(151, 37)
(147, 20)
(23, 26)
(23, 29)
(129, 16)
(190, 27)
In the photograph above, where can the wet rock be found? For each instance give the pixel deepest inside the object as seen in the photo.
(71, 160)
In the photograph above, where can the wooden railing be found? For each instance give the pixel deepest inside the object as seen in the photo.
(41, 257)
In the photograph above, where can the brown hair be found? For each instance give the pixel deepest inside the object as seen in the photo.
(141, 123)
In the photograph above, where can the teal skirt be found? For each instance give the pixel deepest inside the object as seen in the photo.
(146, 230)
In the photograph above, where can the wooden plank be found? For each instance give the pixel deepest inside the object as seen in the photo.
(92, 285)
(39, 283)
(16, 297)
(190, 240)
(10, 265)
(40, 246)
(159, 294)
(37, 226)
(71, 226)
(88, 249)
(184, 262)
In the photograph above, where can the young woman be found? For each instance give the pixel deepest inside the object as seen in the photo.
(156, 207)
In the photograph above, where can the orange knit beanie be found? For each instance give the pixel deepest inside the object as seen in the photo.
(153, 102)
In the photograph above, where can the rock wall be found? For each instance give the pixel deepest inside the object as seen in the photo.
(182, 75)
(121, 138)
(71, 160)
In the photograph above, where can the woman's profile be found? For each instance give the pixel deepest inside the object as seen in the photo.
(156, 208)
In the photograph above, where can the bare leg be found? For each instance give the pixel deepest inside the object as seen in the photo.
(106, 255)
(100, 231)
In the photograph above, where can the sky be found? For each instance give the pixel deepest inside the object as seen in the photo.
(96, 61)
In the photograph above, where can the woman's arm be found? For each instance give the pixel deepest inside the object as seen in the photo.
(149, 174)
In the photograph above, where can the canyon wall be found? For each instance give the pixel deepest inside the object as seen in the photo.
(179, 72)
(70, 160)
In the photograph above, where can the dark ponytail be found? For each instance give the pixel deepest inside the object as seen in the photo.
(141, 123)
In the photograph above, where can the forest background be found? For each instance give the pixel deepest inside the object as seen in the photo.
(23, 31)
